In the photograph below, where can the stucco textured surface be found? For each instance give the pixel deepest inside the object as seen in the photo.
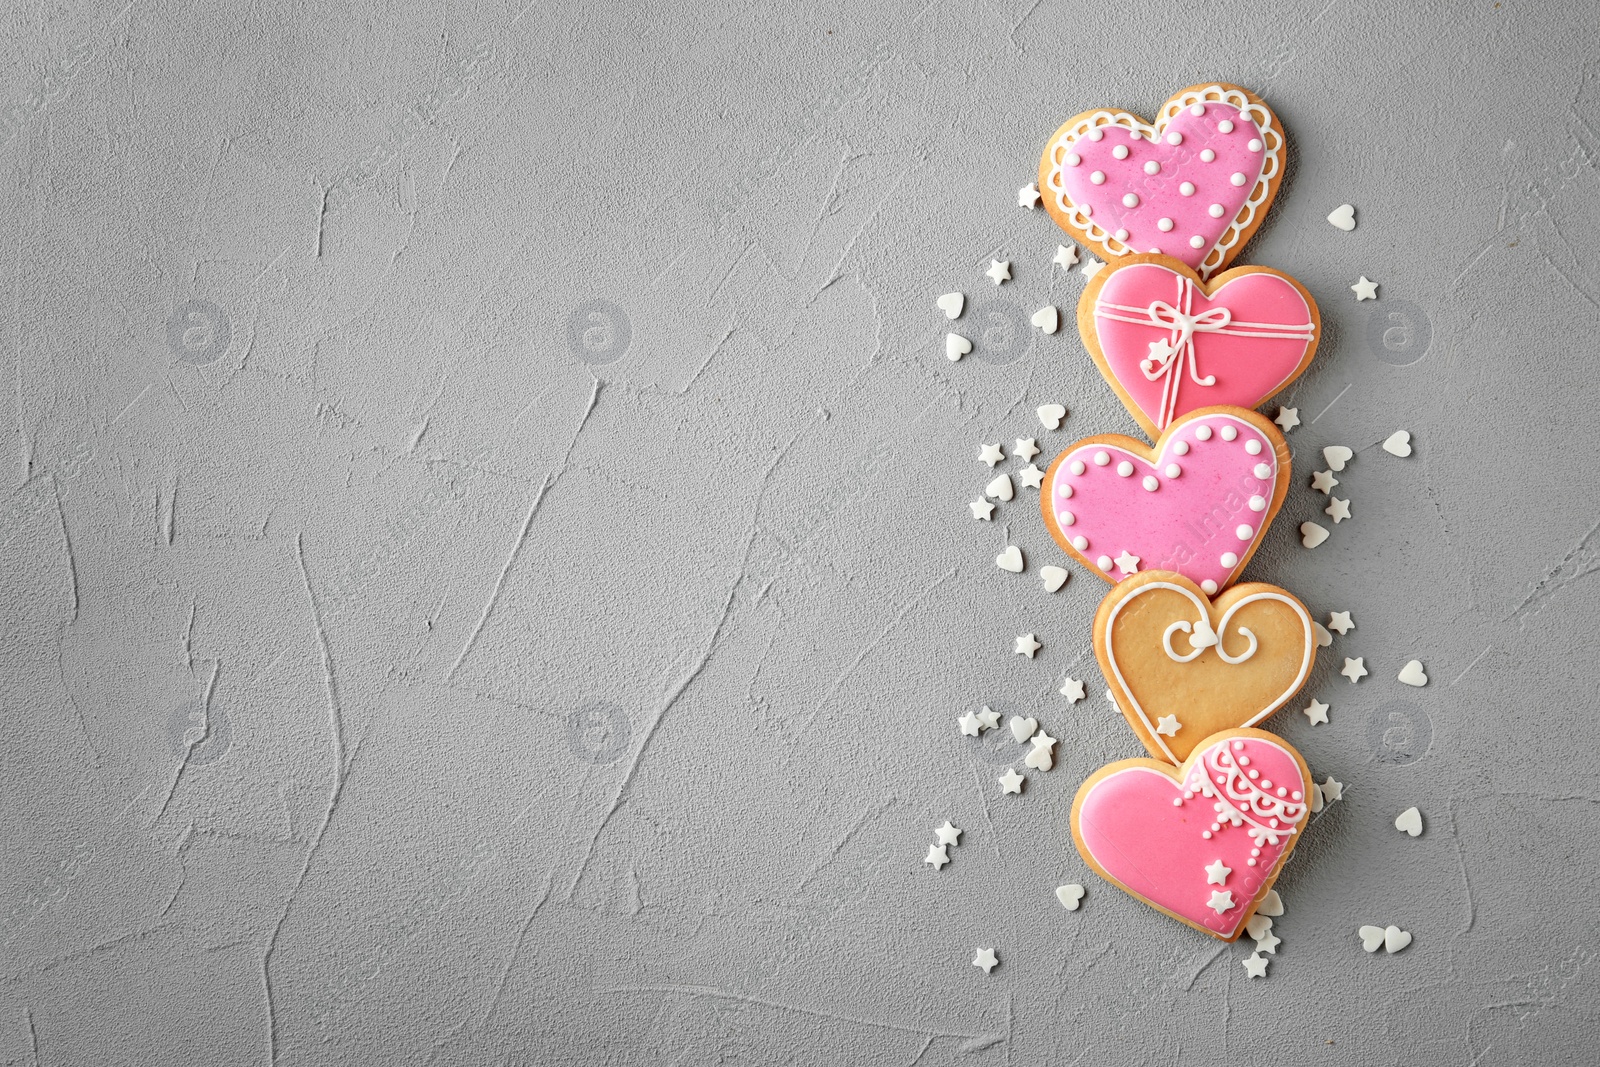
(487, 573)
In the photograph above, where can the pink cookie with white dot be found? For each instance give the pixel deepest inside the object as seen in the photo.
(1195, 185)
(1198, 503)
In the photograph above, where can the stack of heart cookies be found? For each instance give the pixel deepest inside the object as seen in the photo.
(1194, 659)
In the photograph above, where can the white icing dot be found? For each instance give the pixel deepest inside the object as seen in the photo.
(1262, 471)
(1245, 532)
(1237, 745)
(1097, 177)
(1064, 490)
(1255, 852)
(1155, 251)
(1258, 503)
(1072, 159)
(1253, 446)
(1076, 466)
(1244, 761)
(1130, 199)
(1197, 241)
(1230, 560)
(1255, 773)
(1094, 134)
(1163, 225)
(1254, 145)
(1173, 470)
(1080, 542)
(1150, 483)
(1295, 795)
(1087, 209)
(1206, 155)
(1187, 188)
(1208, 587)
(1120, 152)
(1174, 138)
(1251, 862)
(1197, 110)
(1177, 802)
(1181, 448)
(1266, 783)
(1121, 235)
(1282, 792)
(1225, 126)
(1215, 211)
(1229, 433)
(1101, 459)
(1152, 167)
(1206, 834)
(1202, 433)
(1236, 178)
(1124, 468)
(1067, 518)
(1104, 563)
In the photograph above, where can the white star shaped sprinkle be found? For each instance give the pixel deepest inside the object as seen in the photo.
(1269, 943)
(1365, 290)
(1288, 418)
(1031, 476)
(985, 959)
(1159, 350)
(999, 271)
(990, 454)
(1072, 689)
(1354, 669)
(1340, 620)
(1324, 481)
(982, 510)
(990, 719)
(1317, 712)
(1027, 645)
(1338, 509)
(1221, 900)
(1091, 268)
(1255, 965)
(1332, 790)
(1011, 781)
(948, 834)
(1026, 448)
(1066, 256)
(970, 726)
(1168, 725)
(1028, 196)
(1217, 873)
(937, 856)
(1127, 563)
(1043, 740)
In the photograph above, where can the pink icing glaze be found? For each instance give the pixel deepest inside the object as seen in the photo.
(1160, 195)
(1248, 338)
(1159, 850)
(1188, 522)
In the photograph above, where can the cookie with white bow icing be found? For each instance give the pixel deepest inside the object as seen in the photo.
(1182, 667)
(1169, 342)
(1194, 185)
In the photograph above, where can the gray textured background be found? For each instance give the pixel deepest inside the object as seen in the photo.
(578, 681)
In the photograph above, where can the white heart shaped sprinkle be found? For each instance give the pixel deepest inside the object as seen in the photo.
(1337, 456)
(1022, 729)
(952, 304)
(1398, 444)
(1047, 319)
(1395, 939)
(1070, 896)
(1001, 488)
(1258, 927)
(1203, 636)
(1324, 638)
(1410, 822)
(956, 346)
(1050, 415)
(1010, 560)
(1312, 535)
(1344, 217)
(1371, 937)
(1271, 904)
(1413, 674)
(1054, 577)
(1040, 759)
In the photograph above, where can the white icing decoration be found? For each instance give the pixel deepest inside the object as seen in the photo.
(1173, 470)
(1207, 155)
(1104, 563)
(1124, 468)
(1254, 144)
(1225, 126)
(1150, 483)
(1258, 503)
(1064, 490)
(1229, 559)
(1098, 177)
(1215, 211)
(1130, 199)
(1094, 134)
(1174, 138)
(1208, 587)
(1202, 433)
(1121, 235)
(1262, 471)
(1197, 110)
(1076, 466)
(1217, 872)
(1071, 159)
(1186, 189)
(1180, 448)
(1253, 446)
(1080, 542)
(1163, 224)
(1244, 532)
(1197, 241)
(1066, 518)
(1236, 179)
(1101, 459)
(1120, 152)
(1230, 432)
(1152, 167)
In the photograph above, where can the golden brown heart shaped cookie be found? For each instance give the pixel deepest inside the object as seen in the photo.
(1182, 667)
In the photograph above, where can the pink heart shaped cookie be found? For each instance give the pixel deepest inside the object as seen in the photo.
(1195, 186)
(1202, 842)
(1169, 343)
(1198, 503)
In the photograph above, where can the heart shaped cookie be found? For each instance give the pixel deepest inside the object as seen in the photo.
(1202, 842)
(1198, 503)
(1182, 667)
(1169, 343)
(1195, 185)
